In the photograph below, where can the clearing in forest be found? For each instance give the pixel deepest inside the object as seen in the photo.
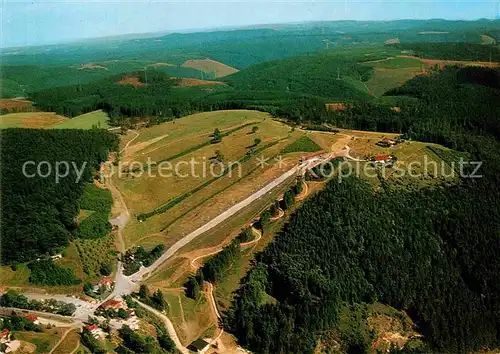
(209, 66)
(95, 119)
(13, 105)
(131, 80)
(92, 66)
(165, 208)
(35, 120)
(391, 73)
(189, 82)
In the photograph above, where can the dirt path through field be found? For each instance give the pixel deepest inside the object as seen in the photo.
(304, 192)
(207, 252)
(131, 140)
(215, 311)
(145, 144)
(63, 337)
(168, 325)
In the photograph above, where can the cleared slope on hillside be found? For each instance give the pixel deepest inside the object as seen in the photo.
(210, 66)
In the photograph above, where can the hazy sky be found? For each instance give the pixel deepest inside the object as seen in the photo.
(42, 21)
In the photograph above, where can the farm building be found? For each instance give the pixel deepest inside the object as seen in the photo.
(112, 304)
(382, 159)
(199, 346)
(386, 142)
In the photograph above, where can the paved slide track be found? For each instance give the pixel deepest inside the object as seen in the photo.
(146, 272)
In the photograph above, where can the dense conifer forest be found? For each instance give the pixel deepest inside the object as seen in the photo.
(39, 212)
(430, 252)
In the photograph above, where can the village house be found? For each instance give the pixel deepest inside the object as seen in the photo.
(199, 346)
(5, 336)
(107, 283)
(94, 330)
(33, 318)
(114, 304)
(382, 159)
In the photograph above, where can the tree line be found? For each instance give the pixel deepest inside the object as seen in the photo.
(15, 299)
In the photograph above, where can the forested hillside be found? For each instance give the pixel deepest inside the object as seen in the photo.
(326, 76)
(29, 69)
(429, 252)
(39, 210)
(296, 88)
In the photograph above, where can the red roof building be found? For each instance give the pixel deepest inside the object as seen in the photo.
(112, 304)
(4, 334)
(92, 328)
(382, 158)
(31, 317)
(106, 281)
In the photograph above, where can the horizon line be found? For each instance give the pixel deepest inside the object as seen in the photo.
(225, 28)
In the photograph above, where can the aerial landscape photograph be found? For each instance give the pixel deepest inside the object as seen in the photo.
(250, 176)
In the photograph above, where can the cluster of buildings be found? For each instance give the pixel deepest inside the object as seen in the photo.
(116, 323)
(7, 345)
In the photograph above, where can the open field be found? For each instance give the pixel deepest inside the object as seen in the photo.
(173, 205)
(68, 344)
(15, 104)
(34, 120)
(44, 341)
(98, 119)
(131, 80)
(184, 199)
(19, 280)
(92, 66)
(178, 268)
(395, 71)
(202, 198)
(189, 82)
(391, 73)
(209, 66)
(442, 63)
(191, 318)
